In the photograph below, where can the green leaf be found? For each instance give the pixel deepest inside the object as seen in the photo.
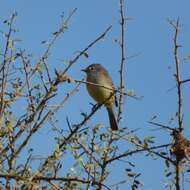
(131, 174)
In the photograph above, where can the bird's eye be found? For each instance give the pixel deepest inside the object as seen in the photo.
(91, 68)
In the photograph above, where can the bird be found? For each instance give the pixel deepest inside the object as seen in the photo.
(100, 87)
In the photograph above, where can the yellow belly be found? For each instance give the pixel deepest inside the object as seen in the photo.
(100, 94)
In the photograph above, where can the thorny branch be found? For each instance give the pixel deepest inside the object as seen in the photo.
(122, 61)
(177, 74)
(179, 92)
(179, 83)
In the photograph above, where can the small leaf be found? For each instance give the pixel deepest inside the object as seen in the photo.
(137, 182)
(10, 44)
(131, 93)
(163, 153)
(1, 122)
(168, 174)
(10, 126)
(128, 169)
(86, 54)
(167, 163)
(131, 174)
(55, 33)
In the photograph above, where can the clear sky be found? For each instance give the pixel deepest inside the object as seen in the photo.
(150, 74)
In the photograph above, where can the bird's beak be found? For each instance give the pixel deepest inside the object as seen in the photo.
(84, 70)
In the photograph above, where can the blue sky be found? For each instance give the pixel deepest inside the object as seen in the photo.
(150, 74)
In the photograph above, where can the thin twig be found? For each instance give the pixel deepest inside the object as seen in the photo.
(161, 125)
(5, 61)
(145, 149)
(184, 81)
(26, 70)
(52, 42)
(86, 49)
(99, 85)
(176, 27)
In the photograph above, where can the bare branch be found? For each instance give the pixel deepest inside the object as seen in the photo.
(177, 74)
(122, 61)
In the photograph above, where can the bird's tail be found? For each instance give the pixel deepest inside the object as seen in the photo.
(113, 122)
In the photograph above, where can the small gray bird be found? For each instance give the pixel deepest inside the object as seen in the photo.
(104, 93)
